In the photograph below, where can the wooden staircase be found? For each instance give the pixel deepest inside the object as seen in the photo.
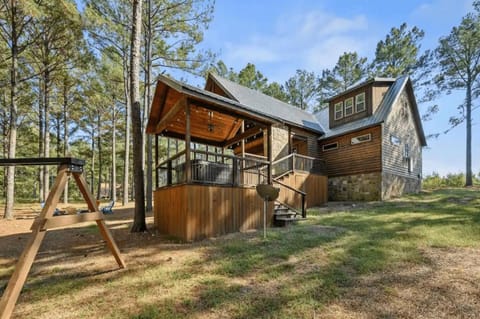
(284, 216)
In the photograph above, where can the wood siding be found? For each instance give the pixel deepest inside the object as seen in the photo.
(315, 186)
(193, 212)
(378, 91)
(355, 116)
(350, 159)
(400, 123)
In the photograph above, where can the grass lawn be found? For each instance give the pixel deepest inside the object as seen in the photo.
(414, 257)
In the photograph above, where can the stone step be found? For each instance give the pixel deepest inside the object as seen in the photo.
(284, 213)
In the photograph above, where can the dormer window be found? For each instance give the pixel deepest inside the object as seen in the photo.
(338, 110)
(349, 106)
(360, 103)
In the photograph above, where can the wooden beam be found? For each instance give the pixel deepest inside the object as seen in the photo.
(92, 206)
(66, 220)
(24, 264)
(192, 139)
(188, 166)
(235, 128)
(269, 153)
(248, 133)
(165, 120)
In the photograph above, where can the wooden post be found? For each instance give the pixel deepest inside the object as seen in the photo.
(289, 140)
(24, 264)
(92, 206)
(46, 221)
(188, 164)
(242, 166)
(269, 153)
(156, 160)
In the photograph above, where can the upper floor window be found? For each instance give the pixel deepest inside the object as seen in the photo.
(338, 110)
(395, 140)
(360, 102)
(330, 146)
(349, 106)
(361, 139)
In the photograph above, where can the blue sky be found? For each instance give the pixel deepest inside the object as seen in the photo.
(282, 36)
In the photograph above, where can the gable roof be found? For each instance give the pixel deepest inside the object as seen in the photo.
(268, 105)
(381, 114)
(361, 83)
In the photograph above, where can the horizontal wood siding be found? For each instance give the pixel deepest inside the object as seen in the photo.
(400, 123)
(350, 159)
(315, 186)
(208, 211)
(355, 116)
(311, 148)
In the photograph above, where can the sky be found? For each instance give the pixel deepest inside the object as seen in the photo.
(282, 36)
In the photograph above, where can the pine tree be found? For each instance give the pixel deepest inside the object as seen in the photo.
(458, 56)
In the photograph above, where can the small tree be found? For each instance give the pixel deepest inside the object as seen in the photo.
(458, 56)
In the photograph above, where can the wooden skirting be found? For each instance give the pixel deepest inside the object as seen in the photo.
(193, 212)
(315, 186)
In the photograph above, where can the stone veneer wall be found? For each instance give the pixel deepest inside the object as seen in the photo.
(279, 142)
(395, 186)
(362, 187)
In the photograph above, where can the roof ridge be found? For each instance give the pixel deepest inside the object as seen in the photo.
(261, 93)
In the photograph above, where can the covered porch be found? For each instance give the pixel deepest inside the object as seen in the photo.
(202, 188)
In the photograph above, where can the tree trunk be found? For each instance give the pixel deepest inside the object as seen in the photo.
(41, 139)
(148, 101)
(139, 224)
(100, 163)
(46, 113)
(92, 170)
(65, 134)
(12, 140)
(126, 165)
(114, 155)
(468, 172)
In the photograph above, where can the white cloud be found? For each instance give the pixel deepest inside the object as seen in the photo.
(311, 40)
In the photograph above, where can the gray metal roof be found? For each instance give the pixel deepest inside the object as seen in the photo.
(359, 84)
(378, 117)
(268, 105)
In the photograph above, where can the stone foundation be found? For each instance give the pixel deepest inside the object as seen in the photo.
(359, 187)
(396, 186)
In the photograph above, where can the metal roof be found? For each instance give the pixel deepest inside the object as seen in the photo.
(268, 105)
(359, 84)
(381, 114)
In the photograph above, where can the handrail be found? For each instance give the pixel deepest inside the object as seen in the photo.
(174, 157)
(290, 187)
(283, 159)
(231, 156)
(305, 156)
(255, 155)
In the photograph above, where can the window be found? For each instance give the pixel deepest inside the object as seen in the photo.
(330, 146)
(360, 103)
(349, 106)
(361, 139)
(338, 110)
(406, 151)
(394, 140)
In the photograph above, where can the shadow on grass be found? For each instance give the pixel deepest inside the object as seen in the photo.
(295, 273)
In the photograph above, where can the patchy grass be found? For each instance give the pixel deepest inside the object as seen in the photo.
(411, 257)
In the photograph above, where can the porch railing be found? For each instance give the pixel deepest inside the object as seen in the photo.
(213, 168)
(297, 162)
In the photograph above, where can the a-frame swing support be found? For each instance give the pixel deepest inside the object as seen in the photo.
(46, 221)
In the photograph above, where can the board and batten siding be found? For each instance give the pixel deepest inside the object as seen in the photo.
(350, 159)
(193, 212)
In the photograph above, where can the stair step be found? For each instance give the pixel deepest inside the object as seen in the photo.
(286, 213)
(283, 208)
(289, 219)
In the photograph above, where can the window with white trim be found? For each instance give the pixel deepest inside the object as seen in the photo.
(395, 140)
(330, 146)
(361, 139)
(360, 102)
(349, 106)
(338, 110)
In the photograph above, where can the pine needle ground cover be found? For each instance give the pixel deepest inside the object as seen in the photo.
(417, 256)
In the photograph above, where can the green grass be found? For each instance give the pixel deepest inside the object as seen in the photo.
(294, 273)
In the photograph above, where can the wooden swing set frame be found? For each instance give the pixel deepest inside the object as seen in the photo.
(45, 221)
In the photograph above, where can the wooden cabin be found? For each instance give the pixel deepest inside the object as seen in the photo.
(214, 145)
(373, 141)
(227, 139)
